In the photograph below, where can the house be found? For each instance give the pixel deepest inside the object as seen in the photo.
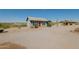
(34, 21)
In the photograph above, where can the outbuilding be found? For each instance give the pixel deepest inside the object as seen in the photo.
(37, 22)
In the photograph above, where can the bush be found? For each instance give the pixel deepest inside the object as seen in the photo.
(49, 24)
(10, 25)
(76, 30)
(5, 26)
(36, 26)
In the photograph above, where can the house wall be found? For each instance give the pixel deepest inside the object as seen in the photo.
(39, 23)
(29, 24)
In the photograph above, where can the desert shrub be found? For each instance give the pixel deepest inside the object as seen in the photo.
(10, 25)
(36, 26)
(3, 25)
(49, 24)
(23, 25)
(76, 30)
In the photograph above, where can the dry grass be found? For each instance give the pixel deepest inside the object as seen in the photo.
(9, 45)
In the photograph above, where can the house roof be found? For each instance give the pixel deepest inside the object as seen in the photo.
(36, 19)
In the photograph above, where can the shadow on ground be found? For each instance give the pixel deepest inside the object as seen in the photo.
(4, 32)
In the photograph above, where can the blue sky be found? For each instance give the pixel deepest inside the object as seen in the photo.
(16, 15)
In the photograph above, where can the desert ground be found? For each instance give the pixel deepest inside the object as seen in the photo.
(55, 37)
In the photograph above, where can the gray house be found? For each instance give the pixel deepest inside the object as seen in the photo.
(34, 21)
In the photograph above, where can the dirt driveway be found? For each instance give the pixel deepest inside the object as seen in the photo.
(43, 38)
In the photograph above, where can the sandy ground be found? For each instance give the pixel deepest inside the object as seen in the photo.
(43, 38)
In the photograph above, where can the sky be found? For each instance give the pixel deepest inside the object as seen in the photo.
(20, 15)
